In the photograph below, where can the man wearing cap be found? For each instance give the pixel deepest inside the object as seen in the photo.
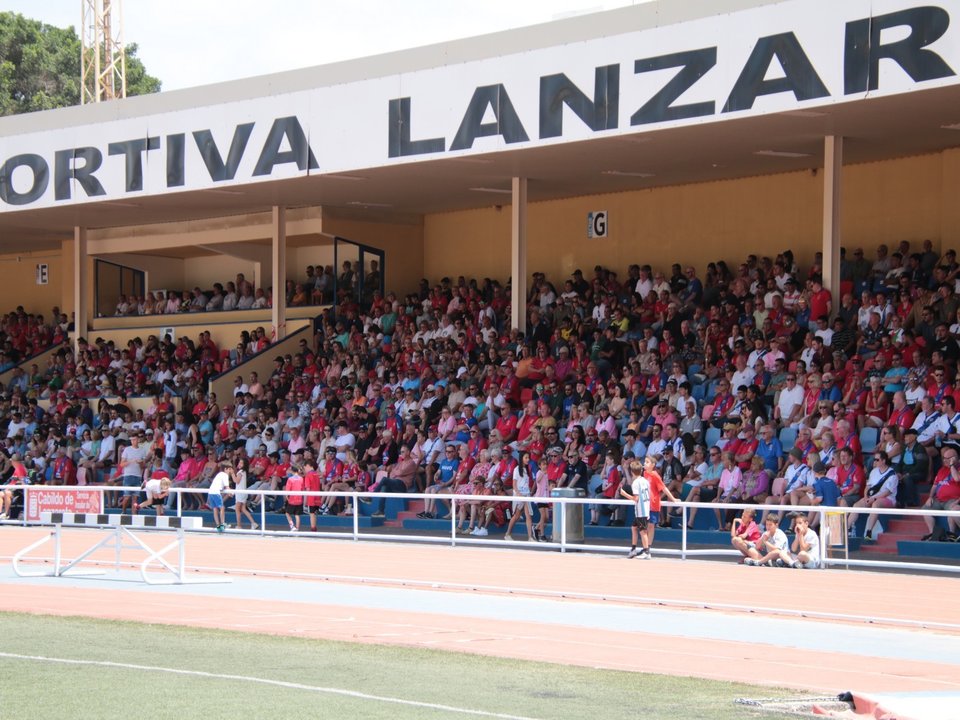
(912, 467)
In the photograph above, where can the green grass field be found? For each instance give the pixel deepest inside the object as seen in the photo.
(324, 674)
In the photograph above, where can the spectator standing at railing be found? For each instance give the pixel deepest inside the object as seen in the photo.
(219, 484)
(238, 476)
(293, 505)
(131, 464)
(658, 488)
(638, 492)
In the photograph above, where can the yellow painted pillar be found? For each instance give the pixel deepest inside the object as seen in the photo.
(832, 180)
(279, 258)
(518, 255)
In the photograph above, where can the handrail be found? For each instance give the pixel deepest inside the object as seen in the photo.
(563, 544)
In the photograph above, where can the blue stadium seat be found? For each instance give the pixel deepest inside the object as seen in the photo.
(788, 438)
(699, 393)
(713, 434)
(868, 439)
(712, 390)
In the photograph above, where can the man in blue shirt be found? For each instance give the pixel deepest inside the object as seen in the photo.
(770, 449)
(823, 493)
(442, 480)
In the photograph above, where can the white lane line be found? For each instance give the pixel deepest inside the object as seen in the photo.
(263, 681)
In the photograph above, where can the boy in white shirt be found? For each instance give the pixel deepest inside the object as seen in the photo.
(219, 485)
(639, 493)
(805, 550)
(772, 542)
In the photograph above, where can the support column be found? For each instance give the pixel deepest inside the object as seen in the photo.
(279, 275)
(832, 169)
(80, 284)
(518, 255)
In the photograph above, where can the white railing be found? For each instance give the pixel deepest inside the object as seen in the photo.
(561, 504)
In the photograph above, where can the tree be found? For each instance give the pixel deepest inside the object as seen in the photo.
(40, 66)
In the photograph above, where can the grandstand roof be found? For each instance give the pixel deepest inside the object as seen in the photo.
(769, 137)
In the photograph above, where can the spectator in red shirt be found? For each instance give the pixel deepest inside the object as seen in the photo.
(945, 493)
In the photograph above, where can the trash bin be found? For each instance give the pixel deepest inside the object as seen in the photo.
(572, 515)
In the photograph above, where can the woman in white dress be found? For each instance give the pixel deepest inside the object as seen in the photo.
(239, 476)
(522, 488)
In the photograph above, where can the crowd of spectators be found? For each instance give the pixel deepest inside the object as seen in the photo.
(750, 384)
(239, 294)
(24, 334)
(316, 288)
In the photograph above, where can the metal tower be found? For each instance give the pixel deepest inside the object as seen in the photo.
(103, 61)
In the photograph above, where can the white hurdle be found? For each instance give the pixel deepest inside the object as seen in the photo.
(155, 522)
(119, 531)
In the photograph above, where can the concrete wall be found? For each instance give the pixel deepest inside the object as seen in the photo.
(41, 360)
(262, 364)
(224, 327)
(911, 198)
(401, 241)
(135, 403)
(18, 283)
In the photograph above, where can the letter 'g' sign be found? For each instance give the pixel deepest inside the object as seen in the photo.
(597, 224)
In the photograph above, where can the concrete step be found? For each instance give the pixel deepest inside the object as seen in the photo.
(942, 550)
(909, 526)
(886, 544)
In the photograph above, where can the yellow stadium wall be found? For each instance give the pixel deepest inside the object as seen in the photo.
(225, 327)
(262, 364)
(910, 198)
(401, 241)
(906, 199)
(18, 282)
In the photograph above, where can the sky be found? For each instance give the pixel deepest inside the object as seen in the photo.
(198, 42)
